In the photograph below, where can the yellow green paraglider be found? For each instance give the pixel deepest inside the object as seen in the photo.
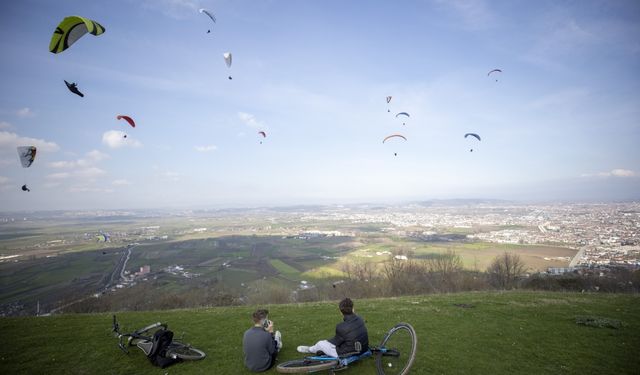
(70, 30)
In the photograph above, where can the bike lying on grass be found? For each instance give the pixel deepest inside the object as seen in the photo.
(159, 347)
(395, 355)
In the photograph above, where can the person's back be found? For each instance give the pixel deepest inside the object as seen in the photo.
(259, 347)
(260, 343)
(350, 331)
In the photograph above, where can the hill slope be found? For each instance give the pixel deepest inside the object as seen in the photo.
(505, 333)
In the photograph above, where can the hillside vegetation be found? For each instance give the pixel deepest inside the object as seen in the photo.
(503, 333)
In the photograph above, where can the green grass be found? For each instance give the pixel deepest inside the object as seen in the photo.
(505, 333)
(285, 269)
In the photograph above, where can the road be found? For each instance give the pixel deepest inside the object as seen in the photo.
(577, 257)
(116, 275)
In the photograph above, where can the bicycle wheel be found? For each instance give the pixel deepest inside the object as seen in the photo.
(398, 350)
(298, 366)
(185, 352)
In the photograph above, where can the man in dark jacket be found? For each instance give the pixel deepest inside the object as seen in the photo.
(352, 330)
(260, 344)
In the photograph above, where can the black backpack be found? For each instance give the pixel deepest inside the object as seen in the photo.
(161, 340)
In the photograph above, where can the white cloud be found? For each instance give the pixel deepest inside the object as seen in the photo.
(51, 185)
(4, 180)
(11, 140)
(89, 172)
(25, 112)
(91, 158)
(4, 125)
(206, 148)
(96, 155)
(89, 189)
(623, 173)
(251, 121)
(116, 139)
(62, 164)
(618, 172)
(120, 182)
(59, 176)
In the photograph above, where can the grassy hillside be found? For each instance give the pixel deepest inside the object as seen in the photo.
(505, 333)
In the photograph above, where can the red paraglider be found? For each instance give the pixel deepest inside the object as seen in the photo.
(127, 119)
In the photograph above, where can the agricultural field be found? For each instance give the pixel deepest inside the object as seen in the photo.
(54, 262)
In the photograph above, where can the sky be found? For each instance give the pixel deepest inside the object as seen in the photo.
(561, 122)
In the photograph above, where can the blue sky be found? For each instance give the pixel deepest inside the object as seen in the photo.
(561, 123)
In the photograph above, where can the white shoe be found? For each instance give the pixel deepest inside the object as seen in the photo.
(303, 349)
(278, 337)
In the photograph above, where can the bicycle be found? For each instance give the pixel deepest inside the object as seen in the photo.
(395, 355)
(141, 339)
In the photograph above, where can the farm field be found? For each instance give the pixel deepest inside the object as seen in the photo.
(54, 262)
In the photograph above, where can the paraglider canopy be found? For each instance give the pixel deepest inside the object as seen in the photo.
(394, 136)
(403, 114)
(70, 30)
(228, 59)
(127, 119)
(27, 155)
(213, 18)
(493, 72)
(474, 135)
(263, 134)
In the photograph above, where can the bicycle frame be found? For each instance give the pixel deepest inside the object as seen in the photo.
(136, 337)
(342, 361)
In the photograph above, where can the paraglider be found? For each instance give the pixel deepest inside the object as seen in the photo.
(70, 30)
(493, 72)
(127, 119)
(73, 87)
(263, 134)
(389, 101)
(403, 114)
(26, 154)
(394, 136)
(213, 18)
(228, 59)
(472, 135)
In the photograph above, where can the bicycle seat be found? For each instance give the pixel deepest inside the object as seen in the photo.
(145, 346)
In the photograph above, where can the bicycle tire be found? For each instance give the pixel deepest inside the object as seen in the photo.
(298, 366)
(397, 353)
(185, 352)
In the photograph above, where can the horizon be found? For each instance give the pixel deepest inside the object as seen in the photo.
(446, 202)
(560, 123)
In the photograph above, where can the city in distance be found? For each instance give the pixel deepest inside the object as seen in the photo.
(106, 260)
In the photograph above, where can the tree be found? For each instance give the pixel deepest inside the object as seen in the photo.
(505, 270)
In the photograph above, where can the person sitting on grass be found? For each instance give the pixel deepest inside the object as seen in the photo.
(350, 331)
(260, 344)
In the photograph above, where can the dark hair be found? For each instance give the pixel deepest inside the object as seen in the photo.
(259, 315)
(346, 306)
